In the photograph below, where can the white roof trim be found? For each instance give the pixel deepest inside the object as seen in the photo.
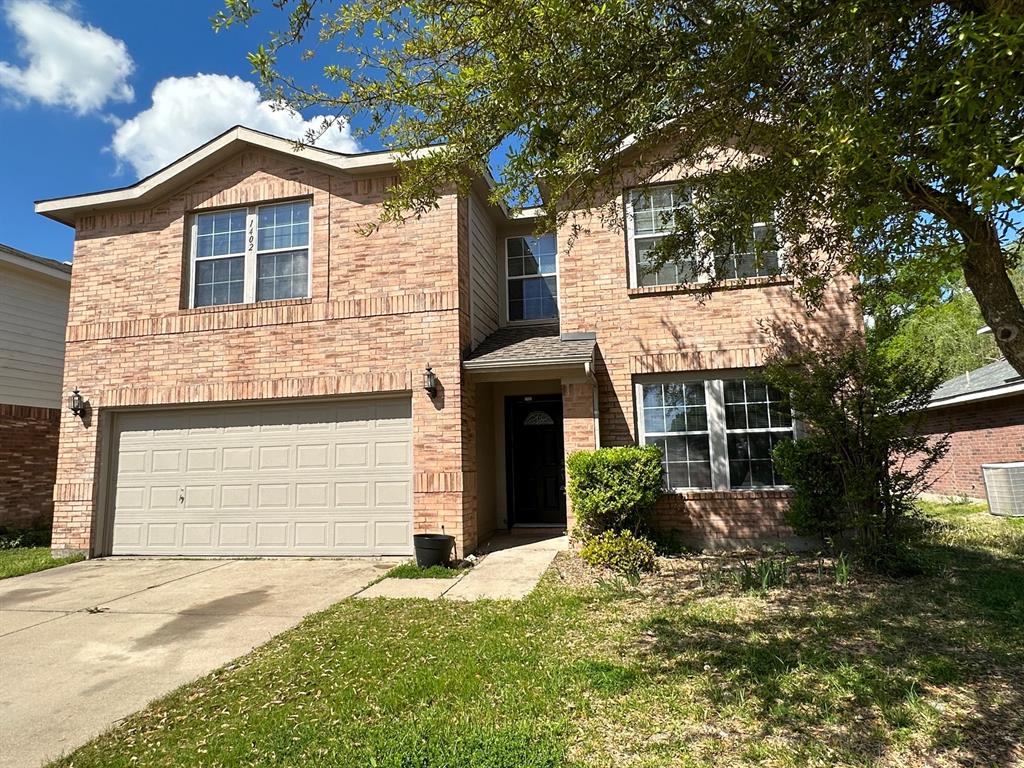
(36, 265)
(971, 397)
(555, 362)
(64, 209)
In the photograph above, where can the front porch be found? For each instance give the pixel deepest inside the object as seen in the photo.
(535, 402)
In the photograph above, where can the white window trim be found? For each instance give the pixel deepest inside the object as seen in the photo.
(704, 277)
(250, 254)
(714, 398)
(506, 278)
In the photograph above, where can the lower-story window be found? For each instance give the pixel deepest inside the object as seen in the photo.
(714, 433)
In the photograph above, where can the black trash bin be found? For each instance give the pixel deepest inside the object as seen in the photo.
(432, 548)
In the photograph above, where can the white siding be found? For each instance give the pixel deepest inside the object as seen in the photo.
(485, 272)
(33, 316)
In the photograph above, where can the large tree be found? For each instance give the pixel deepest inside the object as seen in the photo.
(876, 132)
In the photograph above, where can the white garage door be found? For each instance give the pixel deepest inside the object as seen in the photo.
(289, 479)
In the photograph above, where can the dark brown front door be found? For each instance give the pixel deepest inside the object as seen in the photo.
(536, 461)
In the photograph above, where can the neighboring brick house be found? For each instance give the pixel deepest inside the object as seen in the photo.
(33, 315)
(255, 366)
(983, 413)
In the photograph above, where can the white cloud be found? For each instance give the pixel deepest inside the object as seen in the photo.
(189, 111)
(69, 63)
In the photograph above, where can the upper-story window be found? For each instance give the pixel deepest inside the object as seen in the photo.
(650, 217)
(531, 266)
(251, 254)
(757, 257)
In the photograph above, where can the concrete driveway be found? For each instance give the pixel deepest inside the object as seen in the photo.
(85, 645)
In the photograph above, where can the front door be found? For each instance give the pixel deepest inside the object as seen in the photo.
(536, 460)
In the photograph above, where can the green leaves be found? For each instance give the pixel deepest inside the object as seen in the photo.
(614, 488)
(880, 131)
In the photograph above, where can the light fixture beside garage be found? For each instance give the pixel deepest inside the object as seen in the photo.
(76, 403)
(430, 382)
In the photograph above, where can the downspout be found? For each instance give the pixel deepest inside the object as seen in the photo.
(588, 368)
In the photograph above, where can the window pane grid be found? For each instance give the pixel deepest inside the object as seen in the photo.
(757, 418)
(282, 226)
(741, 262)
(220, 281)
(675, 419)
(282, 275)
(532, 269)
(654, 210)
(681, 270)
(221, 233)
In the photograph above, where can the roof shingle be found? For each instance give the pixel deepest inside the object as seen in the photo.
(992, 376)
(531, 345)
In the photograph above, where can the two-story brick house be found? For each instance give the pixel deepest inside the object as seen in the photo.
(254, 364)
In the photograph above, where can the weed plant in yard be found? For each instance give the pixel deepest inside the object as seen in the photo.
(678, 670)
(413, 571)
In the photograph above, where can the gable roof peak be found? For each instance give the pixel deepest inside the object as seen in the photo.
(202, 159)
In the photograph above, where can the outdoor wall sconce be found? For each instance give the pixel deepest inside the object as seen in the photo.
(430, 382)
(76, 403)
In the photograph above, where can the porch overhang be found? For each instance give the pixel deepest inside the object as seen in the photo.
(533, 352)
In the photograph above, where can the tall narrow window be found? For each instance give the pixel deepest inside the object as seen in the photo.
(651, 217)
(532, 270)
(676, 420)
(251, 254)
(757, 418)
(219, 258)
(282, 252)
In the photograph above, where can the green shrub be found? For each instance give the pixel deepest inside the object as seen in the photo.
(866, 455)
(809, 468)
(614, 488)
(31, 537)
(621, 552)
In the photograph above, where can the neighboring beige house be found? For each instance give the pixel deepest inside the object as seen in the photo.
(256, 368)
(33, 316)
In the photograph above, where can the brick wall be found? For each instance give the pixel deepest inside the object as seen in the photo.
(383, 306)
(661, 330)
(985, 432)
(579, 427)
(713, 518)
(28, 465)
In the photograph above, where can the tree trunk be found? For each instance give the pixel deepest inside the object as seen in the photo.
(984, 264)
(985, 271)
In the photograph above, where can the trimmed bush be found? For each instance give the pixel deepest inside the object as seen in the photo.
(621, 552)
(614, 488)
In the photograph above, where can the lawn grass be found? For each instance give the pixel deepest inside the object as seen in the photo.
(681, 670)
(21, 560)
(412, 571)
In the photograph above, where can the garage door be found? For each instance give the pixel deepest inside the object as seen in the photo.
(291, 479)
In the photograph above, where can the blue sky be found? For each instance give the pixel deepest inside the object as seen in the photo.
(96, 93)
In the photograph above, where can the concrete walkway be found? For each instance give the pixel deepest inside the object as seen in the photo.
(510, 568)
(85, 645)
